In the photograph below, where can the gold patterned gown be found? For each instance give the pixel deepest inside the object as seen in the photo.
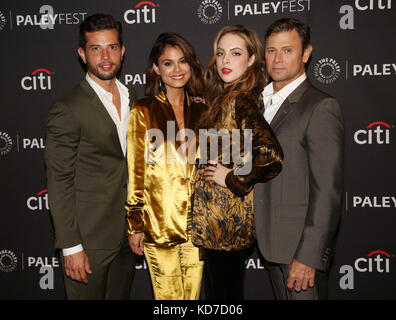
(159, 193)
(223, 217)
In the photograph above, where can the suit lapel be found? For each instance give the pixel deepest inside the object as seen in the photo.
(288, 105)
(281, 114)
(170, 114)
(101, 109)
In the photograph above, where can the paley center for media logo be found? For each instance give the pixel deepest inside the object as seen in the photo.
(135, 79)
(5, 143)
(144, 12)
(377, 132)
(48, 18)
(8, 260)
(2, 21)
(21, 143)
(327, 70)
(370, 201)
(347, 20)
(377, 261)
(210, 11)
(387, 69)
(39, 79)
(271, 7)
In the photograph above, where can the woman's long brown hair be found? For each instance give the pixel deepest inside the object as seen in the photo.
(153, 83)
(250, 84)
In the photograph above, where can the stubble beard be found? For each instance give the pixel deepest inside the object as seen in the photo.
(104, 75)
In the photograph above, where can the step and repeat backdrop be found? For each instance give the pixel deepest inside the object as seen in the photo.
(354, 59)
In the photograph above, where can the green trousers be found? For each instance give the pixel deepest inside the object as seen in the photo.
(111, 278)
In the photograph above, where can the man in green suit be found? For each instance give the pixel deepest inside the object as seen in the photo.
(86, 169)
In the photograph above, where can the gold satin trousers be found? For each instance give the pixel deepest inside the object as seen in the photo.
(176, 272)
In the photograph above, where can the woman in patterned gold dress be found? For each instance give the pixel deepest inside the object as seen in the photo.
(223, 221)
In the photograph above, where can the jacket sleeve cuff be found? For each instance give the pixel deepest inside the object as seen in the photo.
(236, 184)
(135, 221)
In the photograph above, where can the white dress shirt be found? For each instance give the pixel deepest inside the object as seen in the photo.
(121, 124)
(272, 102)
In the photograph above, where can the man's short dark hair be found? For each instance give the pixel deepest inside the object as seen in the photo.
(99, 22)
(289, 24)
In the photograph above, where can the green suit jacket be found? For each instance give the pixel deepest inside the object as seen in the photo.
(86, 172)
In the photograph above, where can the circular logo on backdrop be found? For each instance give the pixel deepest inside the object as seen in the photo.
(210, 11)
(8, 261)
(2, 21)
(5, 143)
(327, 70)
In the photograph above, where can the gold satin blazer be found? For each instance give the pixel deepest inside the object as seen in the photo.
(159, 189)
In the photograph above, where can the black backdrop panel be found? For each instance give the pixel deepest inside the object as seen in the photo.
(353, 59)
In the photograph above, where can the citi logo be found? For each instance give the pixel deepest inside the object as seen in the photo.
(347, 21)
(144, 12)
(40, 79)
(377, 261)
(39, 201)
(376, 133)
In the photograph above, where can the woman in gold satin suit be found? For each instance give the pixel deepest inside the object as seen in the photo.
(161, 152)
(223, 221)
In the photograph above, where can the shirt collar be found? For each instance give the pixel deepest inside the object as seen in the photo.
(285, 91)
(268, 90)
(102, 93)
